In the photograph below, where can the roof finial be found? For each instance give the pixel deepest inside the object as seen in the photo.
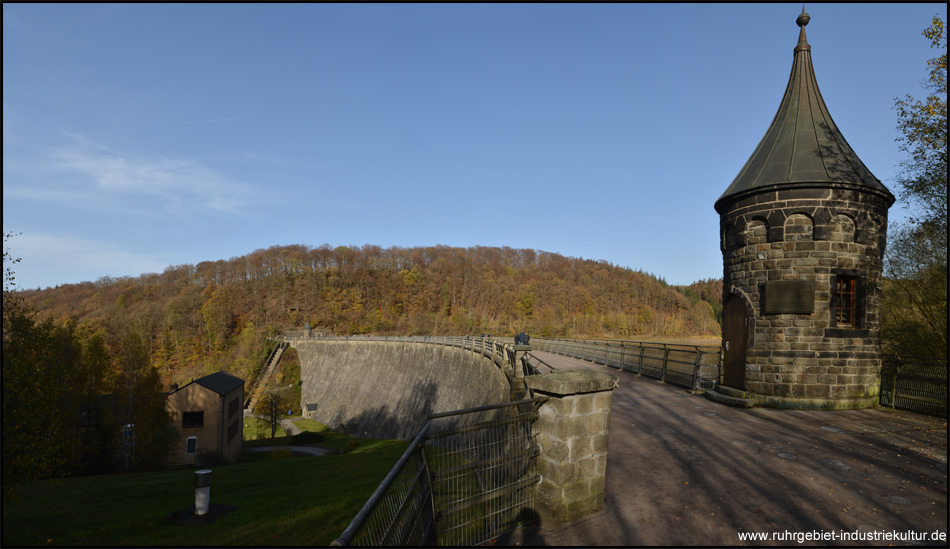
(802, 20)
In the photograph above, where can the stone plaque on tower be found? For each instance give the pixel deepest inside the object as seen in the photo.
(796, 297)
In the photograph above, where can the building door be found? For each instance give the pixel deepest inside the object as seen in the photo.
(735, 342)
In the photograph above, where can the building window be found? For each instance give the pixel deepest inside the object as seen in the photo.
(846, 300)
(234, 406)
(192, 445)
(192, 419)
(234, 429)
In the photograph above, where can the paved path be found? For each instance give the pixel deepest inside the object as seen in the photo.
(286, 424)
(683, 470)
(302, 449)
(291, 429)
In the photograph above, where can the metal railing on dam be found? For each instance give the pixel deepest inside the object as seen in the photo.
(914, 383)
(695, 367)
(494, 348)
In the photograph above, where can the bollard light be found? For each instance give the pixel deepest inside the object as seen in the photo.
(202, 491)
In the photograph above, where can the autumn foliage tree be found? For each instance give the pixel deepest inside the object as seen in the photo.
(67, 391)
(33, 445)
(914, 304)
(271, 408)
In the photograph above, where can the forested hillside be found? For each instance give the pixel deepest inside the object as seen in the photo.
(196, 319)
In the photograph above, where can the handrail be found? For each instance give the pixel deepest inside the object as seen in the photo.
(374, 500)
(681, 364)
(347, 536)
(622, 342)
(488, 407)
(532, 368)
(495, 349)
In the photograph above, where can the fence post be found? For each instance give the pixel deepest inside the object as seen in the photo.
(897, 370)
(666, 356)
(640, 363)
(572, 430)
(518, 370)
(696, 364)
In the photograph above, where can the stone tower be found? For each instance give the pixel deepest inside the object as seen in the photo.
(802, 232)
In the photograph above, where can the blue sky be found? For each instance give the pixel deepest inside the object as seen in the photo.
(141, 136)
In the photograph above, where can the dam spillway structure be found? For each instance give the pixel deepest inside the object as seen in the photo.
(802, 233)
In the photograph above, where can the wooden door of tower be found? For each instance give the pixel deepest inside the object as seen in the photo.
(735, 342)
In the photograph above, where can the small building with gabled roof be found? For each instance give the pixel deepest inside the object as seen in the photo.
(209, 414)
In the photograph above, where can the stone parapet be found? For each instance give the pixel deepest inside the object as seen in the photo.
(573, 431)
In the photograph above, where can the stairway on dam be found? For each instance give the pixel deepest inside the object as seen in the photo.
(255, 392)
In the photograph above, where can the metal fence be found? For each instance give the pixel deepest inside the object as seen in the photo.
(400, 511)
(696, 367)
(914, 383)
(465, 479)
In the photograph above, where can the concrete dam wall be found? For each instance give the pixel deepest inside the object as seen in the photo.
(386, 389)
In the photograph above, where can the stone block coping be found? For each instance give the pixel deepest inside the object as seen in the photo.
(572, 382)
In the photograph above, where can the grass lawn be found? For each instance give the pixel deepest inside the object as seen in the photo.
(289, 501)
(258, 429)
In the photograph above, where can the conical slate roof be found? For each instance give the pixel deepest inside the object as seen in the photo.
(803, 147)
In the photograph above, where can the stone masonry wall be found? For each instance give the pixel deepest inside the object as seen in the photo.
(806, 360)
(387, 389)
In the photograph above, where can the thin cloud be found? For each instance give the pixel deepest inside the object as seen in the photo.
(50, 259)
(182, 184)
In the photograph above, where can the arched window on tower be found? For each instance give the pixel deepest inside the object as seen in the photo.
(755, 232)
(799, 227)
(842, 229)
